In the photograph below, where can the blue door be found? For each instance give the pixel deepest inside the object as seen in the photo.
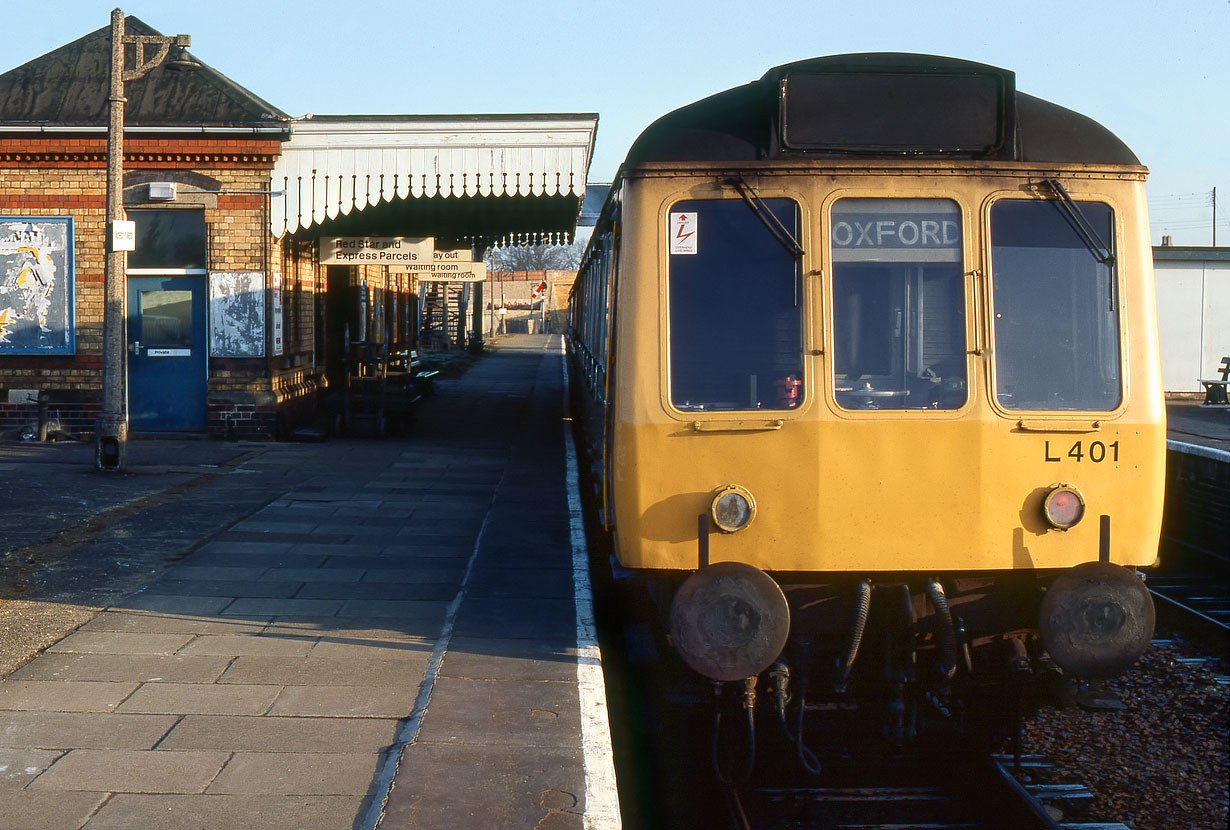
(167, 353)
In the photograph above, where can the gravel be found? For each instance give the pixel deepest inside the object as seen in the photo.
(1160, 763)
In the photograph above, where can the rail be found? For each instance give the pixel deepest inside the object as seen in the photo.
(939, 794)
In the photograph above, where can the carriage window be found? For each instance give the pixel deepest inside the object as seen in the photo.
(1056, 316)
(736, 308)
(898, 304)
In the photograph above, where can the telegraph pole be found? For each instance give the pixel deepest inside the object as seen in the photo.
(111, 431)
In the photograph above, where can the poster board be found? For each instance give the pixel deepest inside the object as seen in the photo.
(37, 285)
(236, 314)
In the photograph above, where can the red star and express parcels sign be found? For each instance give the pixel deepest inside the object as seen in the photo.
(377, 250)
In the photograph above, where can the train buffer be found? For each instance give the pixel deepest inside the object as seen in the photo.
(1215, 390)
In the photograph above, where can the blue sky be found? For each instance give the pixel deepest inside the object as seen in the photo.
(1155, 73)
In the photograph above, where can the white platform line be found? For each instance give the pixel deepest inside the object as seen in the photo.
(1195, 449)
(601, 793)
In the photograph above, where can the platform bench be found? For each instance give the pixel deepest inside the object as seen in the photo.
(1215, 390)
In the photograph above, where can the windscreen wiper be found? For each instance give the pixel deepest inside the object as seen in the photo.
(1084, 228)
(766, 216)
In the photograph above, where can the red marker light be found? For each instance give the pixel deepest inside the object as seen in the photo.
(1064, 507)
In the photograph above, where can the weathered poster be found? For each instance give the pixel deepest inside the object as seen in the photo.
(237, 314)
(36, 285)
(275, 291)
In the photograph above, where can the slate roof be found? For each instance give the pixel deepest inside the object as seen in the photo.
(69, 87)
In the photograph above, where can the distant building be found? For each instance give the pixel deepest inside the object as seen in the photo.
(528, 301)
(1193, 309)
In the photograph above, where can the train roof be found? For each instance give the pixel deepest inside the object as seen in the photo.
(879, 105)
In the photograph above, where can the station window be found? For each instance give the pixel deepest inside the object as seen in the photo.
(1056, 316)
(168, 239)
(898, 304)
(736, 308)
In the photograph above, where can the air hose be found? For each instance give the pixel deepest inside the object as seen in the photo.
(748, 699)
(947, 632)
(862, 605)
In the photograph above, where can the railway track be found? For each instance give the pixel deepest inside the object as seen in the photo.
(1192, 595)
(940, 794)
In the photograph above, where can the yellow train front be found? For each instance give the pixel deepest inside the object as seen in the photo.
(873, 342)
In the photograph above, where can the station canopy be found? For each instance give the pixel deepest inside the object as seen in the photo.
(485, 178)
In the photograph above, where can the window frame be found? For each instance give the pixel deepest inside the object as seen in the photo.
(1121, 324)
(972, 309)
(766, 190)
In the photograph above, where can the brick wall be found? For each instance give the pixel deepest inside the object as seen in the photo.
(65, 175)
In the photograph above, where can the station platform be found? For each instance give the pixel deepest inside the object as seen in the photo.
(352, 634)
(1190, 426)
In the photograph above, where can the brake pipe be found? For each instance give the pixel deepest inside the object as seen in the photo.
(748, 701)
(947, 632)
(862, 606)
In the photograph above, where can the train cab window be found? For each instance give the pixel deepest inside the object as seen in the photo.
(898, 304)
(735, 307)
(1056, 315)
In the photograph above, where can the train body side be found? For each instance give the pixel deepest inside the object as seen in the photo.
(840, 489)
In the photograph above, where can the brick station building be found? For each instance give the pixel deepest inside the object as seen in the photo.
(233, 323)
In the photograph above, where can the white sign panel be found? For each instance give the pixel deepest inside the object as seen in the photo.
(453, 256)
(377, 250)
(123, 235)
(275, 299)
(461, 269)
(683, 233)
(466, 272)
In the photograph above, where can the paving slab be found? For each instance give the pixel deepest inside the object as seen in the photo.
(406, 669)
(263, 589)
(347, 701)
(172, 604)
(18, 767)
(353, 629)
(511, 659)
(68, 730)
(282, 734)
(64, 696)
(314, 632)
(297, 773)
(269, 607)
(156, 623)
(266, 812)
(359, 653)
(144, 668)
(27, 810)
(243, 645)
(505, 787)
(122, 770)
(120, 642)
(504, 712)
(199, 699)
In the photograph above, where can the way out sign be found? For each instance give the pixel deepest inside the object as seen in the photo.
(376, 250)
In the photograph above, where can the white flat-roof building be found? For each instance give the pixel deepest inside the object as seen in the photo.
(1193, 310)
